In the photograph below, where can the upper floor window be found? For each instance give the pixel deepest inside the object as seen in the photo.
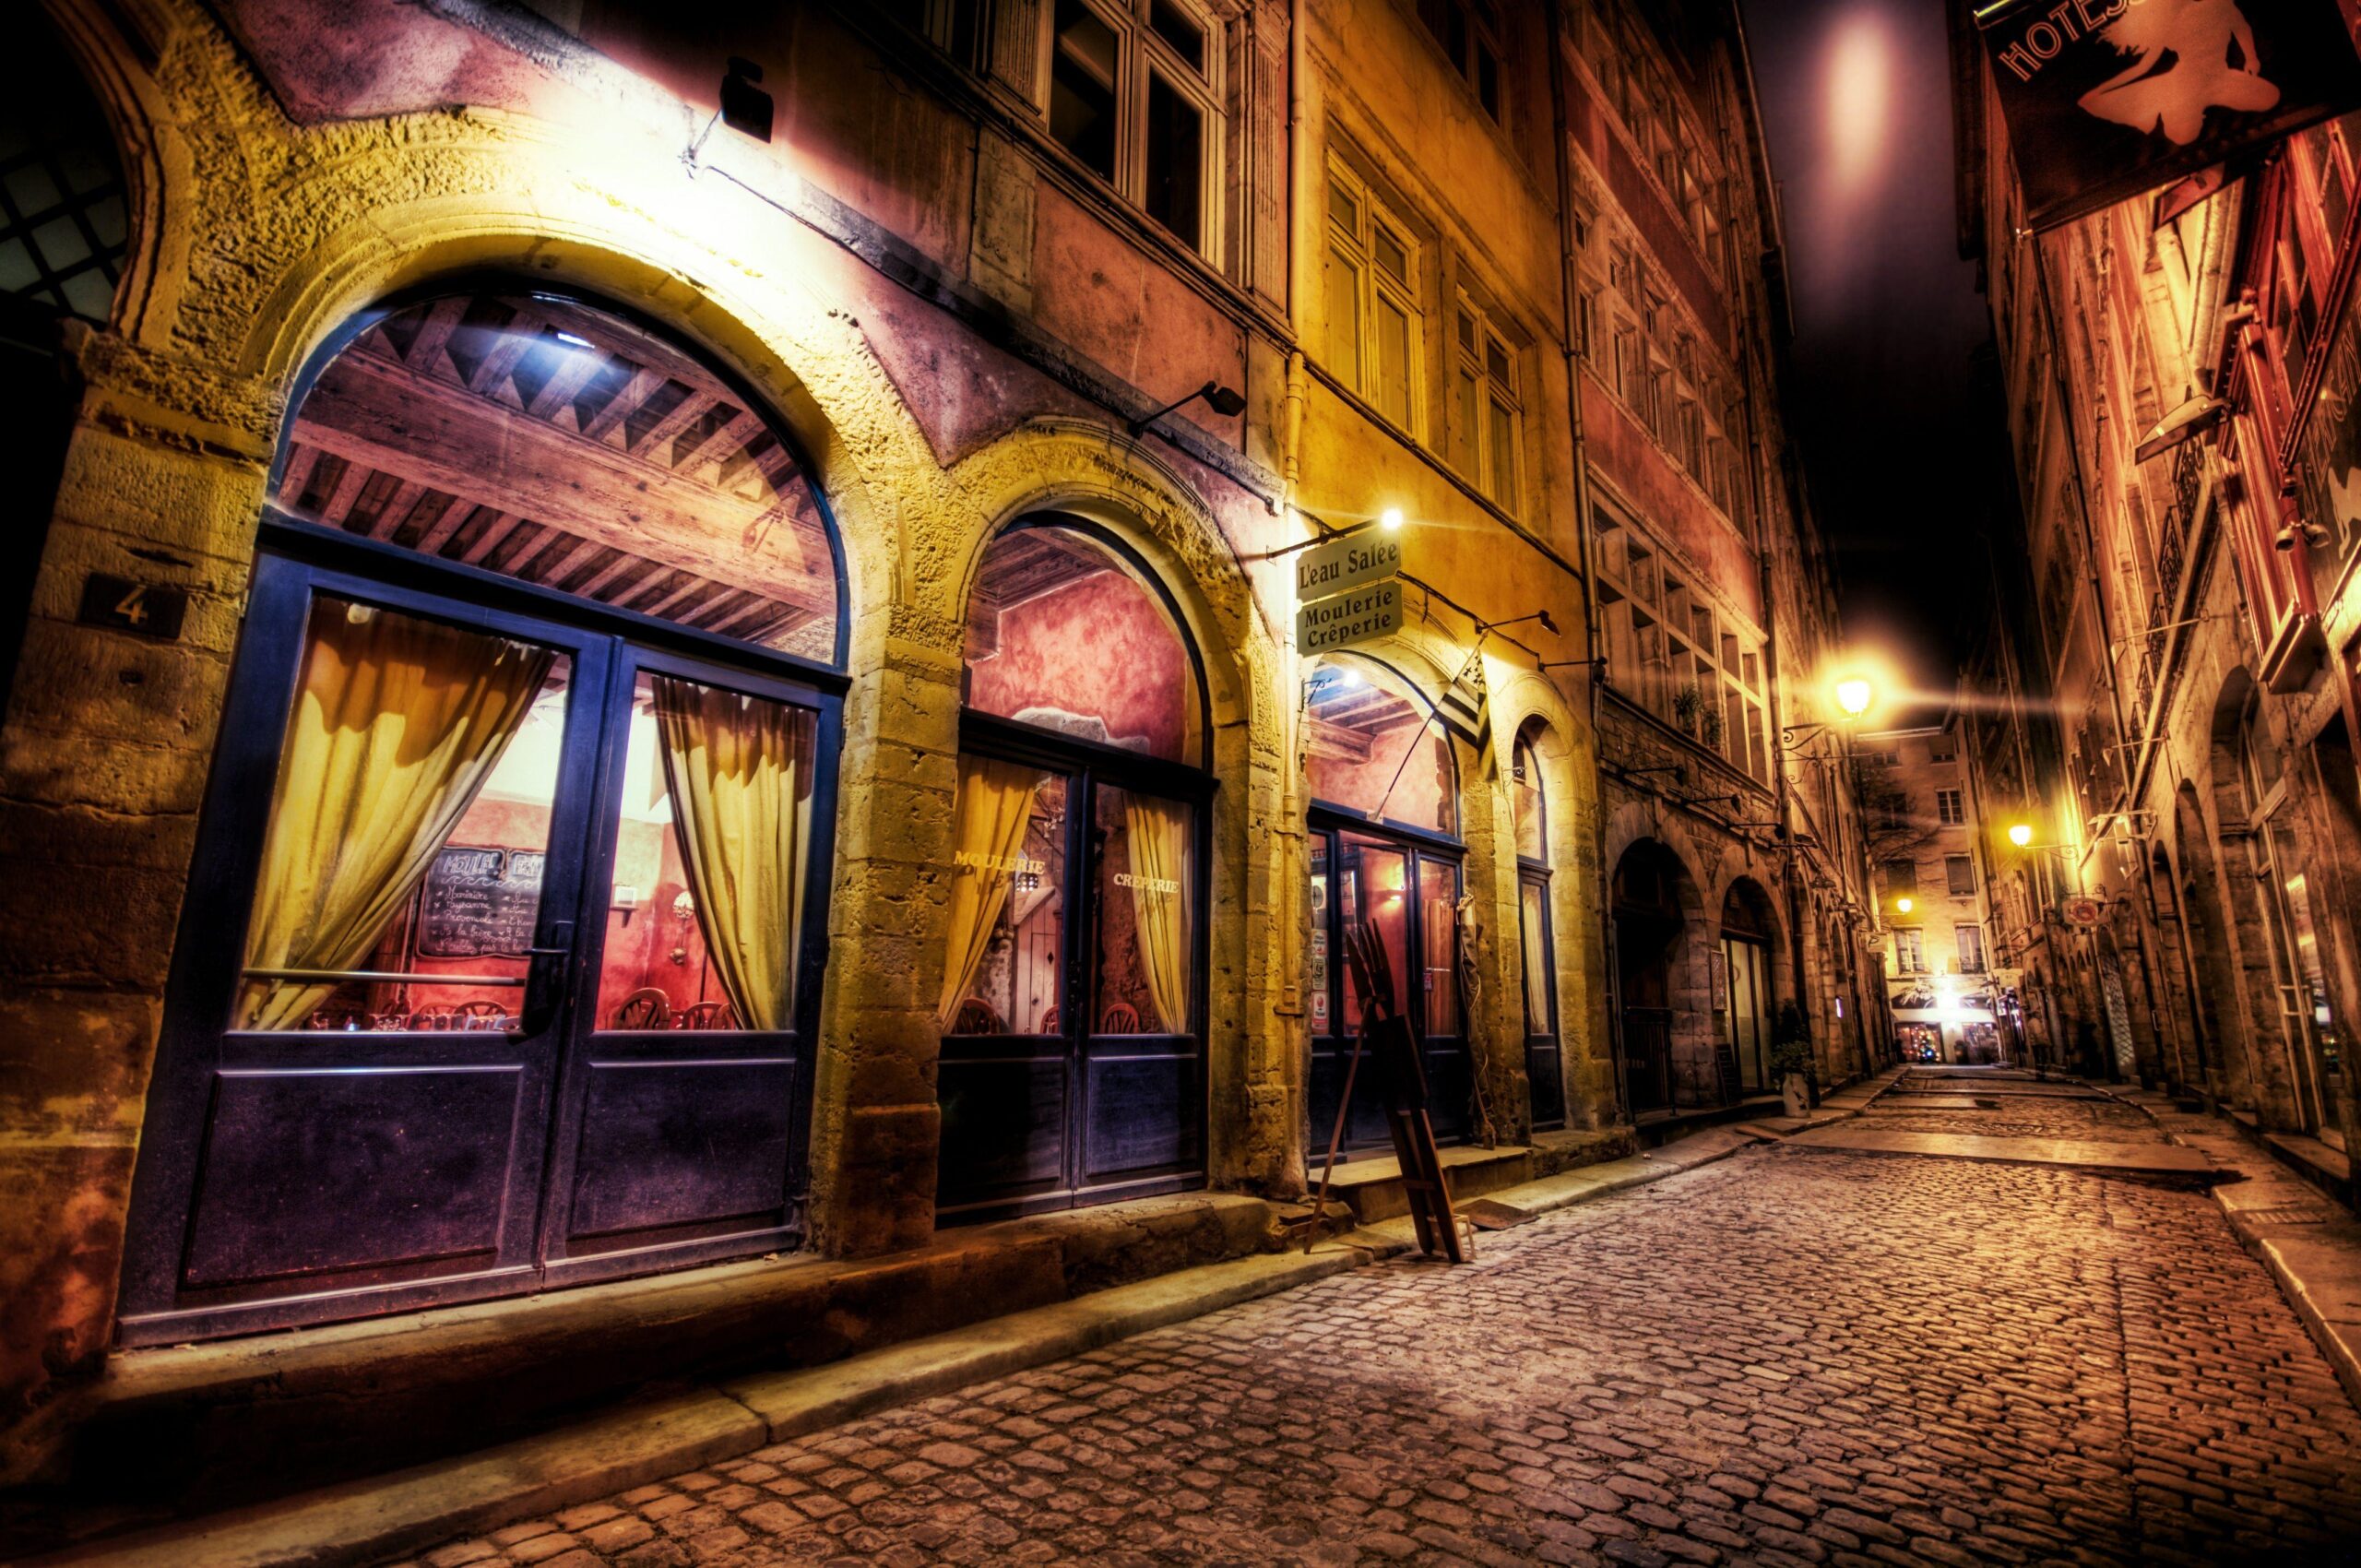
(1469, 31)
(1909, 951)
(1134, 94)
(1375, 323)
(1958, 873)
(1492, 419)
(1949, 808)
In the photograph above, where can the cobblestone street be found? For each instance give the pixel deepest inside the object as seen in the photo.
(1785, 1357)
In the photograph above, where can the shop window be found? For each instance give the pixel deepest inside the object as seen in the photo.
(1068, 636)
(1492, 420)
(64, 228)
(1375, 328)
(1377, 752)
(536, 437)
(1133, 92)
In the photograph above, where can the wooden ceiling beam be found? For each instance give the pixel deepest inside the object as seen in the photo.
(573, 373)
(435, 334)
(624, 404)
(378, 416)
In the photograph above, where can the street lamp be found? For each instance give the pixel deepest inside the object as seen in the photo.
(1903, 906)
(2021, 834)
(1854, 695)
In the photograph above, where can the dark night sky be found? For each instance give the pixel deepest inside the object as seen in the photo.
(1857, 102)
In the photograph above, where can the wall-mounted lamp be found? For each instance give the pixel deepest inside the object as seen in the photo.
(745, 108)
(1219, 399)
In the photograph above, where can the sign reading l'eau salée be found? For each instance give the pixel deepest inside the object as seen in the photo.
(2105, 99)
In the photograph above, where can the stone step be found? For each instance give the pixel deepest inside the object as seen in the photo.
(1371, 1185)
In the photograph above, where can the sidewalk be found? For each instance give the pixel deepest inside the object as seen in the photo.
(370, 1519)
(2311, 1247)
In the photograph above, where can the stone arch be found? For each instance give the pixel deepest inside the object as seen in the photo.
(2242, 757)
(2186, 1067)
(1570, 999)
(2211, 957)
(1663, 985)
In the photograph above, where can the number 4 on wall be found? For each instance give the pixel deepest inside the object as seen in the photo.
(127, 606)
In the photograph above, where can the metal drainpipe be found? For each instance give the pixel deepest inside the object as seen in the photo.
(1598, 673)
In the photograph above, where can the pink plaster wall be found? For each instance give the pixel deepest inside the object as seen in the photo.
(1100, 648)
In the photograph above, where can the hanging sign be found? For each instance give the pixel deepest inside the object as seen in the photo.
(2105, 99)
(1336, 565)
(1347, 620)
(2084, 911)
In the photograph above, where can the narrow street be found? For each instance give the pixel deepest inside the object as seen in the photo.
(1789, 1355)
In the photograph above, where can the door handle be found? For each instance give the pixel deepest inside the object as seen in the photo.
(545, 978)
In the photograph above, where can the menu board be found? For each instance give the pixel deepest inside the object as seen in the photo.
(479, 902)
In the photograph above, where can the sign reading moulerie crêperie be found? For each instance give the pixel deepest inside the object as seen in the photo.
(2105, 99)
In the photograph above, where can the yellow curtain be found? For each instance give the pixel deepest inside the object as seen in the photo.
(739, 768)
(1538, 977)
(396, 725)
(1160, 891)
(994, 808)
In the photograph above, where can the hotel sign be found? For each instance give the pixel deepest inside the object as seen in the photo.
(1336, 565)
(2105, 99)
(1348, 620)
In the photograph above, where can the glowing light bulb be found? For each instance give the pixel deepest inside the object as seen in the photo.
(1390, 519)
(1903, 906)
(2021, 834)
(1854, 695)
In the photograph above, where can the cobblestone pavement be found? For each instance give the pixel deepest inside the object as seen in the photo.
(2018, 1116)
(1782, 1357)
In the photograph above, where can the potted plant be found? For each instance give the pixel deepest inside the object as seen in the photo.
(1710, 731)
(1687, 707)
(1791, 1059)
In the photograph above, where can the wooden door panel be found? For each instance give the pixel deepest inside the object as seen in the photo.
(669, 1143)
(1142, 1109)
(1003, 1128)
(319, 1172)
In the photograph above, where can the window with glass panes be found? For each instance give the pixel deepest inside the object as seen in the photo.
(1371, 278)
(1909, 951)
(1958, 871)
(1134, 93)
(1949, 808)
(1492, 420)
(1469, 31)
(63, 225)
(1968, 941)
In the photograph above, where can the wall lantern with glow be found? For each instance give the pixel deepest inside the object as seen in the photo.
(1854, 695)
(1903, 906)
(2021, 834)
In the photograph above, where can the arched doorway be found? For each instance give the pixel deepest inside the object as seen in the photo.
(1385, 854)
(64, 239)
(2208, 951)
(1536, 941)
(1073, 1064)
(501, 964)
(1650, 924)
(2188, 1067)
(1749, 1005)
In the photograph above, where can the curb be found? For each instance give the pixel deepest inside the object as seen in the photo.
(367, 1520)
(2315, 1264)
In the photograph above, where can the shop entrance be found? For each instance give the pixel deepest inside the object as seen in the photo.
(499, 967)
(1074, 1065)
(1648, 929)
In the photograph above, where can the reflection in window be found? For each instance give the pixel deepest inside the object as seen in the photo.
(1376, 751)
(555, 444)
(1082, 86)
(1534, 926)
(1146, 890)
(1007, 931)
(714, 833)
(409, 828)
(1063, 635)
(1374, 887)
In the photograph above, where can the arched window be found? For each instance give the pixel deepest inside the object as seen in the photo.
(1072, 1065)
(1385, 858)
(1376, 748)
(64, 227)
(1750, 1005)
(506, 940)
(1528, 808)
(549, 441)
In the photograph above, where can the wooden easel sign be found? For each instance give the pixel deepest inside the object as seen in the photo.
(1402, 1079)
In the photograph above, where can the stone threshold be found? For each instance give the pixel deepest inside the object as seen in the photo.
(2310, 1245)
(1371, 1186)
(367, 1520)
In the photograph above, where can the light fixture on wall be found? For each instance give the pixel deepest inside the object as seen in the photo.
(745, 107)
(1221, 399)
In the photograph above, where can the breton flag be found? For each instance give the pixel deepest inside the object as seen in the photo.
(2107, 99)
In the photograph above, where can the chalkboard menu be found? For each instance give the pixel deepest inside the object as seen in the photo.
(479, 902)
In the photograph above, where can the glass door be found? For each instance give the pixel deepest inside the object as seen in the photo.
(495, 973)
(1748, 1018)
(1409, 900)
(1544, 1064)
(1073, 1064)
